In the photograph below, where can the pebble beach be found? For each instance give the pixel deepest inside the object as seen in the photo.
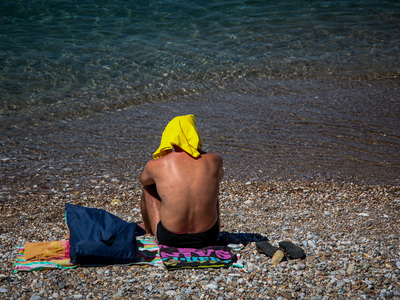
(300, 98)
(349, 232)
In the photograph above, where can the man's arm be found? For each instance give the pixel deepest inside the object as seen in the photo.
(146, 178)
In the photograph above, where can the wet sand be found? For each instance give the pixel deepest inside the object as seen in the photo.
(338, 199)
(303, 130)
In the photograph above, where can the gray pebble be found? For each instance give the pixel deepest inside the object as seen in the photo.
(100, 271)
(189, 291)
(302, 265)
(312, 244)
(367, 290)
(61, 285)
(170, 293)
(213, 286)
(366, 266)
(351, 269)
(250, 267)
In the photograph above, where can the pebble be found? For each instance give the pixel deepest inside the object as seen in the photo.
(61, 285)
(363, 214)
(170, 293)
(366, 266)
(311, 244)
(213, 286)
(250, 267)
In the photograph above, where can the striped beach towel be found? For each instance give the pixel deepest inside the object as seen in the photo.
(48, 260)
(148, 254)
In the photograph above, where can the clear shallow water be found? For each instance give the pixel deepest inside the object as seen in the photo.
(281, 89)
(75, 57)
(285, 130)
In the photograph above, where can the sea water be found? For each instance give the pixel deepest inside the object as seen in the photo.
(92, 54)
(67, 59)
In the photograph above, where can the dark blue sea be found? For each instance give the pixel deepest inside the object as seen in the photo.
(282, 89)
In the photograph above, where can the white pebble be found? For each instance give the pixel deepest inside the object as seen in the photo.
(311, 244)
(213, 286)
(250, 267)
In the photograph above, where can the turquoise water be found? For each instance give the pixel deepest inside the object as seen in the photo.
(63, 57)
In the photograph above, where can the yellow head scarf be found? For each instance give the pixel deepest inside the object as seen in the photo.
(182, 132)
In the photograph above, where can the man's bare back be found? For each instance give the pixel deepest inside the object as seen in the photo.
(187, 188)
(180, 188)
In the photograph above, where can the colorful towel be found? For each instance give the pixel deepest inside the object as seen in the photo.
(57, 261)
(148, 252)
(208, 257)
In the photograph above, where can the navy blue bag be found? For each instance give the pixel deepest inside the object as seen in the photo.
(98, 237)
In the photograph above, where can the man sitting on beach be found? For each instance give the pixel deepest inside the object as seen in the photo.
(180, 188)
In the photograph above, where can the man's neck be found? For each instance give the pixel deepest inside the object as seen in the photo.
(178, 149)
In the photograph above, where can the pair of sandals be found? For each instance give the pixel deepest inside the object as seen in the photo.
(286, 249)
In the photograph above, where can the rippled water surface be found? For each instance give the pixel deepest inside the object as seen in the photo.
(87, 55)
(299, 86)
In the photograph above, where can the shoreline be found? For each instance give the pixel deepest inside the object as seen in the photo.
(264, 130)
